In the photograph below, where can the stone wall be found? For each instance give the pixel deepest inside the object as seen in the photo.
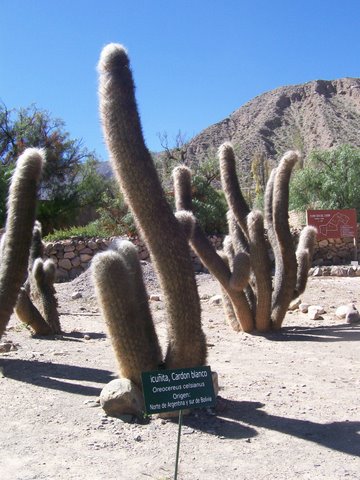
(336, 251)
(72, 257)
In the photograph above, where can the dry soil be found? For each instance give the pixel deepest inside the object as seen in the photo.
(288, 406)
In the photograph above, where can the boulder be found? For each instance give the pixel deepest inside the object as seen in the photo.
(315, 312)
(122, 397)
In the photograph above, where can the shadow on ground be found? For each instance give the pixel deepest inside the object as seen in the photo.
(326, 333)
(236, 420)
(58, 376)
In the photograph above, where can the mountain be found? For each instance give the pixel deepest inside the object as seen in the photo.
(316, 115)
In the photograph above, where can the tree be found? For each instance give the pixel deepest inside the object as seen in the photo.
(328, 180)
(209, 201)
(61, 193)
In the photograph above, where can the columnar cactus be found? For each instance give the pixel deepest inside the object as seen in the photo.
(43, 292)
(250, 300)
(123, 301)
(15, 244)
(163, 233)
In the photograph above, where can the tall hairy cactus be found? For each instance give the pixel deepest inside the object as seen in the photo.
(243, 268)
(15, 244)
(163, 233)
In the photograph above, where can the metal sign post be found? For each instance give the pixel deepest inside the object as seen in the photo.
(176, 390)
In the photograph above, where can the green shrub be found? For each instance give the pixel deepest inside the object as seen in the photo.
(328, 180)
(209, 206)
(88, 231)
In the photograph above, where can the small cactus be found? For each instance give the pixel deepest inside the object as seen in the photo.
(27, 313)
(37, 303)
(123, 301)
(43, 292)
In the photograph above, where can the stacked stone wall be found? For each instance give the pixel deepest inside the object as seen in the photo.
(73, 256)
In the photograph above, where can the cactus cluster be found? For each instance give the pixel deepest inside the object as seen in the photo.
(117, 275)
(252, 299)
(36, 305)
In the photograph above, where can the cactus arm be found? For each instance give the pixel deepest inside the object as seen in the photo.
(123, 302)
(43, 292)
(182, 188)
(268, 211)
(18, 230)
(230, 184)
(236, 233)
(304, 254)
(261, 267)
(213, 261)
(27, 313)
(285, 258)
(37, 246)
(187, 222)
(136, 174)
(239, 279)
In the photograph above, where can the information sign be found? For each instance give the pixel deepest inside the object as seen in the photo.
(333, 223)
(179, 389)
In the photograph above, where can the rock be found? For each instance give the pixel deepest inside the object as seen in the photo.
(76, 295)
(205, 296)
(353, 317)
(65, 264)
(304, 307)
(85, 257)
(155, 298)
(5, 347)
(122, 397)
(317, 272)
(315, 312)
(342, 310)
(75, 262)
(295, 304)
(216, 300)
(348, 312)
(352, 314)
(91, 403)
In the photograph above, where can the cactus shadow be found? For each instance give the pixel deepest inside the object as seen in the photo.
(56, 376)
(216, 424)
(79, 336)
(340, 436)
(71, 336)
(326, 333)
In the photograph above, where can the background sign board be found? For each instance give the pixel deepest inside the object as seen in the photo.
(169, 390)
(333, 223)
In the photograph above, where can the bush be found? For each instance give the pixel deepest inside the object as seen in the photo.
(209, 206)
(329, 180)
(89, 231)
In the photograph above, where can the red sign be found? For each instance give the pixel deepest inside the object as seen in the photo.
(333, 223)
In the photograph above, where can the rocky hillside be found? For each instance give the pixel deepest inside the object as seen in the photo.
(315, 115)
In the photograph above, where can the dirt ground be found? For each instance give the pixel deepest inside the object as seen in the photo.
(288, 405)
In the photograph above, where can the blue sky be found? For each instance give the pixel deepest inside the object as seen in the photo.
(194, 61)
